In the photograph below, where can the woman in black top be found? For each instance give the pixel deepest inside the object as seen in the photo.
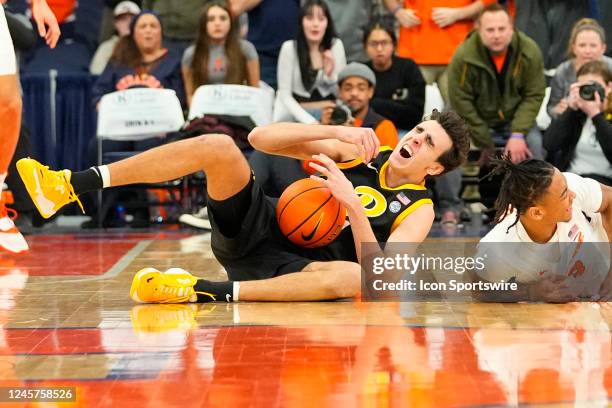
(400, 87)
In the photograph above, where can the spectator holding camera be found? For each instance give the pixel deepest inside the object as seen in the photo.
(356, 84)
(308, 66)
(587, 43)
(400, 93)
(139, 60)
(219, 56)
(580, 139)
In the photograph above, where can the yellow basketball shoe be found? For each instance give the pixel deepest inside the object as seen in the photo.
(175, 285)
(50, 190)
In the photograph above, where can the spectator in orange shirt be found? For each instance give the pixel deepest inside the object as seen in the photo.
(356, 84)
(430, 30)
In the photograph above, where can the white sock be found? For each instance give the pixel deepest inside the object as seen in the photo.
(2, 178)
(236, 291)
(105, 174)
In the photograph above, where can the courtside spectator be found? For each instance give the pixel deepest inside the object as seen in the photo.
(219, 56)
(587, 43)
(431, 31)
(497, 78)
(356, 83)
(139, 59)
(271, 23)
(580, 139)
(400, 87)
(124, 12)
(308, 66)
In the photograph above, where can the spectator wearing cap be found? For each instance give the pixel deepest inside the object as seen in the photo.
(356, 83)
(123, 14)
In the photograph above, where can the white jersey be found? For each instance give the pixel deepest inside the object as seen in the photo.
(513, 254)
(8, 65)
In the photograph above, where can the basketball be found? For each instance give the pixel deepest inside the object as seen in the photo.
(309, 215)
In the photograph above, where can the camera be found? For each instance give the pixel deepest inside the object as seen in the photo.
(587, 91)
(340, 114)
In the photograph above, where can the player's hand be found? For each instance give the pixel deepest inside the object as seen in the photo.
(46, 22)
(364, 139)
(517, 149)
(407, 18)
(341, 188)
(444, 16)
(552, 289)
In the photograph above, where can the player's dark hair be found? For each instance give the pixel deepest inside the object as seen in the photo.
(459, 133)
(522, 186)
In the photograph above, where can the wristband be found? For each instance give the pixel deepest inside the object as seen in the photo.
(398, 8)
(517, 136)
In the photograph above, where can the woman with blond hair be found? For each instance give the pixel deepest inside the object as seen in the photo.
(587, 43)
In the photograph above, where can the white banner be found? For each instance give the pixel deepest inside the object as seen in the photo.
(234, 100)
(139, 113)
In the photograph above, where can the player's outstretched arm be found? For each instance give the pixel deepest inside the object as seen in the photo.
(46, 22)
(301, 141)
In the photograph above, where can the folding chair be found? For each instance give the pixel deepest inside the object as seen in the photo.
(134, 115)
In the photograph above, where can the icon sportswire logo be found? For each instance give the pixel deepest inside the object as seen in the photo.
(308, 237)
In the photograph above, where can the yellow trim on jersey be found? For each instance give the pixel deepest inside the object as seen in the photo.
(357, 161)
(383, 182)
(409, 211)
(349, 164)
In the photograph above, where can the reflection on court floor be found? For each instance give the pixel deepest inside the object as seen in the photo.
(66, 320)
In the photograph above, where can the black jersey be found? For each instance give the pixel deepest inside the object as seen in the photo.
(385, 207)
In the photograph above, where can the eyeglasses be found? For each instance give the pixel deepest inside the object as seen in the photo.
(382, 43)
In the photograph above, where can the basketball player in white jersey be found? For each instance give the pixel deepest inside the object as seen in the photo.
(10, 109)
(552, 235)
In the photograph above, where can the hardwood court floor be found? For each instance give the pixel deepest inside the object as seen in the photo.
(66, 320)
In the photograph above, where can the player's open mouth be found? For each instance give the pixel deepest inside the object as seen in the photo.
(405, 152)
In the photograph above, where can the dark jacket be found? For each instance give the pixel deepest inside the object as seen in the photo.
(400, 93)
(167, 71)
(562, 136)
(475, 94)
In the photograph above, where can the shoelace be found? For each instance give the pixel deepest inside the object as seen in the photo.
(179, 295)
(59, 178)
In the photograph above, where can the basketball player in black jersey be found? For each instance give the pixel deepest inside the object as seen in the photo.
(262, 264)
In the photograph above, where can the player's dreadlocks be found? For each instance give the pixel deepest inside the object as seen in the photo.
(522, 186)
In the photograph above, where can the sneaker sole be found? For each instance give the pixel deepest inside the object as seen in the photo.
(136, 283)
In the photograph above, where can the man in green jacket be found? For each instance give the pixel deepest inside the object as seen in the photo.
(496, 82)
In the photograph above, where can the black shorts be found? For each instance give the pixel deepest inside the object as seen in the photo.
(259, 250)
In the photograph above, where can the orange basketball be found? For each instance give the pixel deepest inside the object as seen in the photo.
(309, 215)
